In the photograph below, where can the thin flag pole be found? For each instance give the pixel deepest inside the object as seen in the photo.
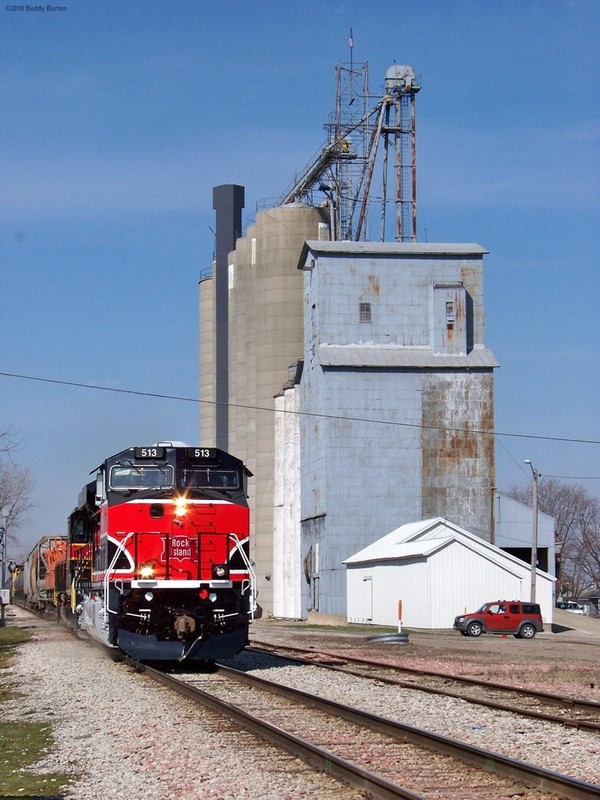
(351, 44)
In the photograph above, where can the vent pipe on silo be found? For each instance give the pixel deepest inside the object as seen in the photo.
(228, 202)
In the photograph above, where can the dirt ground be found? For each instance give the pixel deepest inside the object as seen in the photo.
(564, 659)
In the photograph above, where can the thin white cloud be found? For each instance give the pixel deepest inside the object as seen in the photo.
(59, 182)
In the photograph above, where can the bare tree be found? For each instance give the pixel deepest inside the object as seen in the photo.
(15, 493)
(10, 440)
(577, 532)
(589, 547)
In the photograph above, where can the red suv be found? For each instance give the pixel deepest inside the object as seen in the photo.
(523, 620)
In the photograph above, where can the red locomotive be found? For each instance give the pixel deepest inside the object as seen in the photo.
(156, 562)
(159, 554)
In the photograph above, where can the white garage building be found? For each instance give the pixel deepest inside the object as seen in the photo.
(438, 570)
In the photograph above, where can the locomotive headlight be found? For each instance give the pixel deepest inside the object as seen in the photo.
(181, 507)
(146, 571)
(219, 571)
(212, 597)
(149, 596)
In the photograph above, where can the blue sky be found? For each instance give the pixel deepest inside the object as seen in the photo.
(121, 115)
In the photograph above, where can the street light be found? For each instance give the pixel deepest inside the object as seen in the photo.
(5, 515)
(534, 527)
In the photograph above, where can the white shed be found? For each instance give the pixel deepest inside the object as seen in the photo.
(438, 570)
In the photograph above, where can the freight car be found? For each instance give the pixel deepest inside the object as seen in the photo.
(39, 584)
(156, 562)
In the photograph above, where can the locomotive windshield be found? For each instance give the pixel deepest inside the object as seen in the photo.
(210, 478)
(146, 476)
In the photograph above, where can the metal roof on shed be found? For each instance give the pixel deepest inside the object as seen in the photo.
(385, 355)
(426, 537)
(392, 545)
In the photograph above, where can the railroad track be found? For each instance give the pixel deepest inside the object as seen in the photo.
(383, 758)
(378, 757)
(572, 713)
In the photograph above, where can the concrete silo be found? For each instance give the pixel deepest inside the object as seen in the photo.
(207, 351)
(265, 323)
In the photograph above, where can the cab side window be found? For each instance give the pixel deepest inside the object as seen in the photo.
(80, 528)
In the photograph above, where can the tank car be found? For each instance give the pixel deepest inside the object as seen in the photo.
(39, 583)
(159, 556)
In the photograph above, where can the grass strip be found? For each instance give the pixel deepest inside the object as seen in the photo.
(23, 744)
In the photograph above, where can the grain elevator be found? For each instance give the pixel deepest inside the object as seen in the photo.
(359, 390)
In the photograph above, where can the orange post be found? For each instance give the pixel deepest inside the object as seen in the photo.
(399, 616)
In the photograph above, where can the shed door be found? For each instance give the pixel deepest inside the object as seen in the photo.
(367, 603)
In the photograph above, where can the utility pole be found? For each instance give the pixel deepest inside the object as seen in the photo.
(5, 514)
(534, 527)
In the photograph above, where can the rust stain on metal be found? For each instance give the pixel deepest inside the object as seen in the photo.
(459, 308)
(374, 285)
(457, 451)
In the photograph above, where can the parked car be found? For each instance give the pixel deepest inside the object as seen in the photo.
(522, 620)
(572, 606)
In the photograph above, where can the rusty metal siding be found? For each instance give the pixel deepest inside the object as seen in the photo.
(458, 459)
(400, 293)
(366, 478)
(386, 444)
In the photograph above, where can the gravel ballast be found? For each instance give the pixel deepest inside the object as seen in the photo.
(125, 737)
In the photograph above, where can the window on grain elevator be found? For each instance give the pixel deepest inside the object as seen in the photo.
(364, 312)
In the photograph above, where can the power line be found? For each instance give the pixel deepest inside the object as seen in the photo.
(573, 477)
(179, 398)
(519, 464)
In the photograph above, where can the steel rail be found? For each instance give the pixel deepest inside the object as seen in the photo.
(322, 759)
(523, 773)
(570, 722)
(586, 706)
